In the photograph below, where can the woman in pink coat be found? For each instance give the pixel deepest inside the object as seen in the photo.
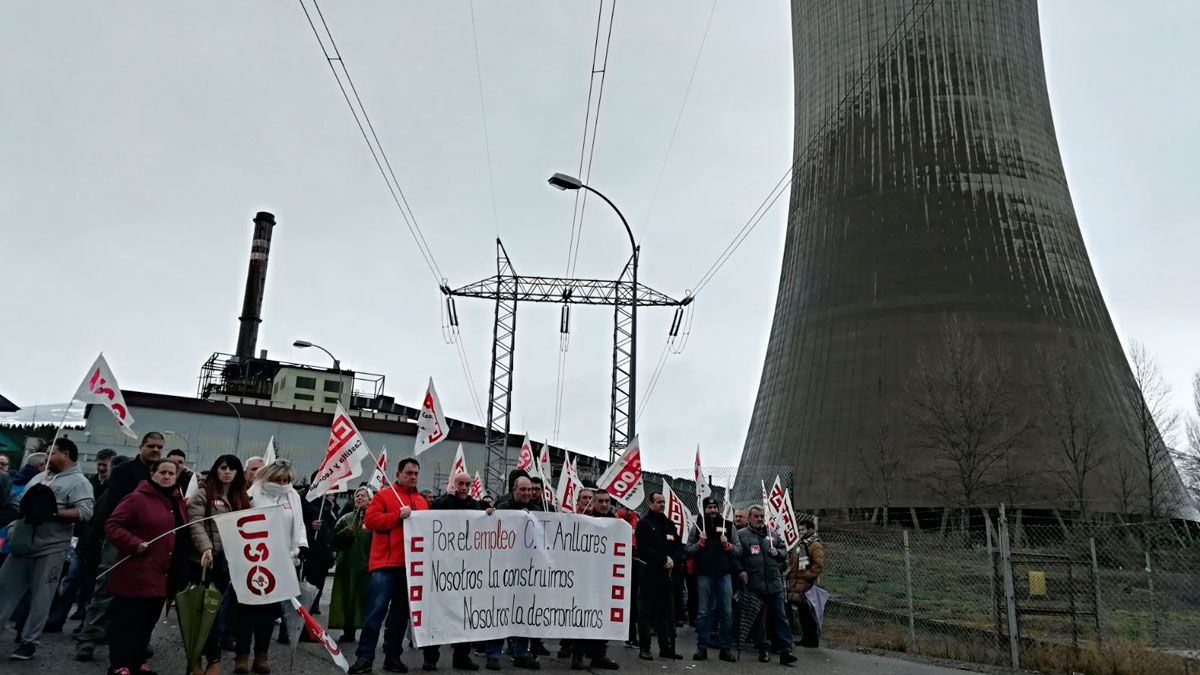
(140, 584)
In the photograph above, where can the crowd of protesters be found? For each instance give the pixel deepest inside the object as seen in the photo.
(118, 544)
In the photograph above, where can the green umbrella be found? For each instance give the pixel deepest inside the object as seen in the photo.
(197, 607)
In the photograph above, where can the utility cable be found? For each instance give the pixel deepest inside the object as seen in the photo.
(487, 144)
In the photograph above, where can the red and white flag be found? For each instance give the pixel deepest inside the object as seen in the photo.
(766, 504)
(99, 387)
(567, 494)
(477, 487)
(677, 512)
(544, 463)
(343, 458)
(317, 632)
(703, 489)
(525, 460)
(431, 426)
(776, 499)
(380, 474)
(623, 479)
(264, 575)
(459, 466)
(790, 531)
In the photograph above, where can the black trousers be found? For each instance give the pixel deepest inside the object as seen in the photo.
(656, 609)
(255, 622)
(461, 651)
(810, 632)
(133, 620)
(635, 583)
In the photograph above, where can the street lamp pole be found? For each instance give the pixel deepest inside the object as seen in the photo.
(237, 443)
(303, 344)
(565, 182)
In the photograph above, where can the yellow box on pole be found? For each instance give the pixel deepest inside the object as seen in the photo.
(1037, 583)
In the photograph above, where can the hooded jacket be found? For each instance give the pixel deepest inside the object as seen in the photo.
(145, 514)
(383, 519)
(762, 559)
(73, 491)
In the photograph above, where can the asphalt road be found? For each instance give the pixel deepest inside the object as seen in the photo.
(56, 655)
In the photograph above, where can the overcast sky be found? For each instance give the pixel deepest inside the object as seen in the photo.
(139, 139)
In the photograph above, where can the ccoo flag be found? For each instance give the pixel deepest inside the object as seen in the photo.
(623, 480)
(380, 474)
(459, 466)
(431, 426)
(343, 459)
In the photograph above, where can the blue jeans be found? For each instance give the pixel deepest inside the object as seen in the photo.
(520, 647)
(716, 604)
(776, 619)
(387, 597)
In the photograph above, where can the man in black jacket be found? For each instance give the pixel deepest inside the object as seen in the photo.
(121, 483)
(596, 650)
(714, 547)
(660, 554)
(459, 499)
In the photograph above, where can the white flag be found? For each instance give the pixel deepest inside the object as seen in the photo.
(459, 466)
(477, 487)
(676, 511)
(431, 426)
(623, 479)
(544, 463)
(343, 459)
(318, 633)
(775, 500)
(727, 511)
(269, 454)
(703, 489)
(100, 387)
(567, 494)
(790, 530)
(380, 474)
(265, 574)
(525, 460)
(192, 486)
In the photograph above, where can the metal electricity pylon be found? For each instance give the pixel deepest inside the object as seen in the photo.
(508, 289)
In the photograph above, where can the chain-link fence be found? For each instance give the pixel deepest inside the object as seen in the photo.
(1060, 597)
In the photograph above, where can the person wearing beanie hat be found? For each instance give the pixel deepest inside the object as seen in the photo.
(714, 547)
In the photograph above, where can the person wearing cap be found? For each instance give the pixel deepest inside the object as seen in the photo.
(714, 547)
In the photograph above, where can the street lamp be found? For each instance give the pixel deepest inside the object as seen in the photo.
(304, 344)
(565, 182)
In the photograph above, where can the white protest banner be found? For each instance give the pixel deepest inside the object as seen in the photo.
(259, 555)
(703, 489)
(459, 466)
(474, 577)
(525, 459)
(380, 474)
(623, 479)
(477, 487)
(99, 387)
(790, 531)
(567, 494)
(343, 459)
(431, 425)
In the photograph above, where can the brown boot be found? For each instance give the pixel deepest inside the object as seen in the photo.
(194, 667)
(261, 665)
(214, 667)
(241, 664)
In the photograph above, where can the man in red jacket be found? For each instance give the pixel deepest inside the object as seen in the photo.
(388, 591)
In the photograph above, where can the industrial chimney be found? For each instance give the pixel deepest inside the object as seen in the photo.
(256, 281)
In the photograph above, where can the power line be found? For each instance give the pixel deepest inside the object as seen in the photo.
(361, 118)
(487, 144)
(679, 118)
(852, 96)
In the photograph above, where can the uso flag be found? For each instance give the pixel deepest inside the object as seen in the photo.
(623, 480)
(260, 562)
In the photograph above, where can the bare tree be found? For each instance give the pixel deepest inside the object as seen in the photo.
(1149, 432)
(963, 407)
(883, 466)
(1188, 460)
(1072, 425)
